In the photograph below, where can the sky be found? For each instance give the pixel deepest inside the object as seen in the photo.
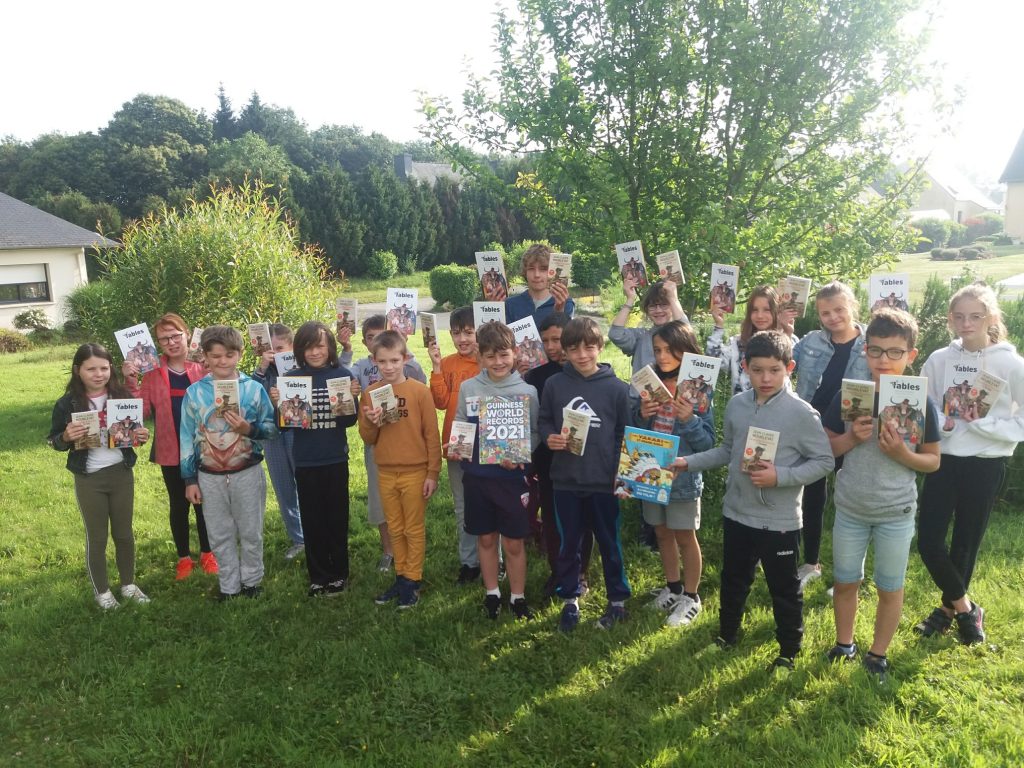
(357, 63)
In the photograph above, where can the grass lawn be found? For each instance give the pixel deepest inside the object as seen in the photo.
(368, 289)
(285, 680)
(920, 267)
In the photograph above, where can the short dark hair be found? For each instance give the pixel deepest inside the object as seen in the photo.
(374, 323)
(555, 319)
(280, 331)
(775, 344)
(888, 323)
(309, 334)
(462, 319)
(657, 293)
(387, 340)
(582, 330)
(494, 337)
(679, 337)
(224, 335)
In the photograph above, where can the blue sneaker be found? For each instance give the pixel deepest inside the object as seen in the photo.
(570, 617)
(409, 594)
(614, 614)
(391, 593)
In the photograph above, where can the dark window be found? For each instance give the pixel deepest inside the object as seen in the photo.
(23, 283)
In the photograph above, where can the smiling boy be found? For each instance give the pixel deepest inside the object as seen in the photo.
(538, 300)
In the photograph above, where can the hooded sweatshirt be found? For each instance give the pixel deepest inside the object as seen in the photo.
(606, 398)
(999, 432)
(468, 409)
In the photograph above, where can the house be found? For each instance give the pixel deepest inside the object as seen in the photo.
(42, 260)
(1013, 178)
(407, 168)
(946, 190)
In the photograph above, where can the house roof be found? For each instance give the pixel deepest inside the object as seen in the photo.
(431, 172)
(25, 226)
(1015, 167)
(958, 187)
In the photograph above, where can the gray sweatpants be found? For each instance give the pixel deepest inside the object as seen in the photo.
(467, 542)
(106, 499)
(233, 506)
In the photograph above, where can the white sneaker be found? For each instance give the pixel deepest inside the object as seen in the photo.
(294, 551)
(666, 599)
(131, 592)
(808, 573)
(107, 601)
(686, 610)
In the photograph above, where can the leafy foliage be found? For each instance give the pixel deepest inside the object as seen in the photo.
(12, 341)
(453, 285)
(32, 319)
(383, 264)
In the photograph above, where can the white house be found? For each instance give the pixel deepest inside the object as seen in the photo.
(1013, 178)
(42, 259)
(947, 190)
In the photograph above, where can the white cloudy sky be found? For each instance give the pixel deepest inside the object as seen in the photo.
(69, 66)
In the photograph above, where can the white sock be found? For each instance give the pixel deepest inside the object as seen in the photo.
(619, 603)
(496, 591)
(513, 597)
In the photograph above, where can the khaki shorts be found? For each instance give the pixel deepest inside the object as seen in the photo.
(677, 516)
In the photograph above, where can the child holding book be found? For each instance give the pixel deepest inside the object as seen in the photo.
(676, 525)
(583, 484)
(761, 508)
(365, 372)
(104, 481)
(538, 300)
(876, 495)
(497, 494)
(408, 456)
(321, 463)
(446, 376)
(974, 456)
(659, 305)
(220, 462)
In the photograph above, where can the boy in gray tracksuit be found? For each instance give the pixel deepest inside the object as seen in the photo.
(761, 508)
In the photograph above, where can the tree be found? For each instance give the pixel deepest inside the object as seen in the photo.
(249, 156)
(736, 131)
(330, 217)
(224, 124)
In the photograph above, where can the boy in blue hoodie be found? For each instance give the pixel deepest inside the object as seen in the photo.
(583, 485)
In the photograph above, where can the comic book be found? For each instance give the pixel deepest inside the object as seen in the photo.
(428, 326)
(889, 289)
(383, 397)
(575, 428)
(903, 402)
(505, 429)
(647, 384)
(339, 394)
(560, 269)
(529, 348)
(460, 443)
(295, 403)
(137, 347)
(631, 262)
(670, 267)
(967, 391)
(645, 465)
(698, 375)
(987, 389)
(762, 444)
(490, 267)
(92, 438)
(724, 279)
(284, 362)
(259, 338)
(124, 420)
(856, 399)
(195, 350)
(794, 293)
(400, 310)
(488, 312)
(346, 313)
(225, 396)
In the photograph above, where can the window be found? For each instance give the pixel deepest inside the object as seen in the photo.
(23, 283)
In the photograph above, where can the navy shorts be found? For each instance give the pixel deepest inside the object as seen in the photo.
(497, 505)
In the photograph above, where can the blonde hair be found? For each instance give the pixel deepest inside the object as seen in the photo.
(983, 294)
(836, 288)
(538, 253)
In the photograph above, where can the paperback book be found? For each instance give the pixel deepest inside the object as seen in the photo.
(724, 279)
(631, 262)
(461, 440)
(505, 429)
(575, 428)
(645, 465)
(428, 327)
(856, 399)
(529, 348)
(903, 402)
(137, 347)
(259, 338)
(488, 312)
(889, 290)
(295, 406)
(339, 394)
(490, 267)
(648, 385)
(91, 439)
(225, 396)
(698, 375)
(124, 420)
(794, 293)
(346, 313)
(400, 310)
(195, 350)
(284, 362)
(760, 447)
(670, 267)
(560, 269)
(383, 397)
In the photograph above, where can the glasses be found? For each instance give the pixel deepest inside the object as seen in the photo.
(893, 353)
(172, 337)
(974, 317)
(657, 307)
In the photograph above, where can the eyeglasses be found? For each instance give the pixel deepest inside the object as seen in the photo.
(893, 353)
(657, 307)
(168, 339)
(974, 317)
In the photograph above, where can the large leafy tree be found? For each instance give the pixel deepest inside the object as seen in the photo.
(738, 131)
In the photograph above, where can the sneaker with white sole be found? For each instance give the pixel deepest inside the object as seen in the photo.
(294, 551)
(808, 573)
(686, 611)
(666, 600)
(107, 601)
(132, 592)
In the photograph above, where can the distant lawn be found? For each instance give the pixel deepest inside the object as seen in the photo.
(920, 266)
(367, 289)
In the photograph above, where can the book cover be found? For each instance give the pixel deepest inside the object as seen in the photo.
(560, 269)
(461, 440)
(428, 326)
(383, 397)
(195, 351)
(529, 348)
(124, 420)
(490, 267)
(856, 399)
(902, 402)
(670, 267)
(137, 347)
(259, 338)
(575, 428)
(346, 313)
(889, 289)
(339, 394)
(225, 396)
(400, 310)
(295, 404)
(631, 262)
(794, 293)
(724, 279)
(505, 429)
(91, 419)
(284, 362)
(645, 465)
(647, 384)
(698, 375)
(761, 446)
(488, 312)
(968, 392)
(987, 389)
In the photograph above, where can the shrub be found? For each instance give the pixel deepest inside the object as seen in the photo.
(957, 235)
(935, 233)
(1002, 238)
(382, 265)
(945, 254)
(12, 341)
(32, 320)
(983, 224)
(453, 285)
(591, 270)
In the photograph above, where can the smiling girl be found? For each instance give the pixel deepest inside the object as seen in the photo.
(660, 305)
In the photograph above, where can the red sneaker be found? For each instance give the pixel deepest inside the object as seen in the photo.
(184, 568)
(209, 562)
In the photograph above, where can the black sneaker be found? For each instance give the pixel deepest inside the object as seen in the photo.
(569, 618)
(840, 653)
(254, 591)
(878, 666)
(468, 574)
(492, 606)
(223, 597)
(521, 610)
(970, 625)
(782, 662)
(315, 590)
(725, 644)
(389, 594)
(408, 595)
(937, 623)
(335, 588)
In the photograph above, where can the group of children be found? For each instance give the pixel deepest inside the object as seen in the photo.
(769, 510)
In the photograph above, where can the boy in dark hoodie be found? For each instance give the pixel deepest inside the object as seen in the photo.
(583, 485)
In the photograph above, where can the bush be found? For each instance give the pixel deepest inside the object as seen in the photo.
(945, 254)
(591, 270)
(983, 224)
(934, 233)
(383, 265)
(1002, 238)
(453, 285)
(12, 341)
(32, 320)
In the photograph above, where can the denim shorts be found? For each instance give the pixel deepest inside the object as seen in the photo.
(850, 539)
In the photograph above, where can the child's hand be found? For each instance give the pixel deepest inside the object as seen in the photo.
(237, 423)
(429, 486)
(862, 428)
(356, 388)
(434, 352)
(345, 338)
(557, 442)
(718, 314)
(74, 431)
(765, 475)
(193, 494)
(508, 464)
(787, 321)
(560, 292)
(891, 442)
(648, 406)
(373, 415)
(142, 435)
(129, 369)
(629, 288)
(275, 395)
(684, 408)
(680, 465)
(522, 365)
(266, 360)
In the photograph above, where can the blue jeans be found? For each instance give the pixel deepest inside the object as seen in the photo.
(850, 539)
(575, 513)
(281, 467)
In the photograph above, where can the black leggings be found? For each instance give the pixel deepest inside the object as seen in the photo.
(179, 513)
(815, 496)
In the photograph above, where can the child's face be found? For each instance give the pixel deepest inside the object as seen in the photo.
(761, 314)
(498, 363)
(465, 341)
(767, 375)
(883, 364)
(659, 312)
(369, 335)
(172, 341)
(834, 313)
(95, 374)
(537, 276)
(222, 362)
(969, 320)
(390, 364)
(281, 344)
(664, 356)
(552, 339)
(584, 358)
(317, 354)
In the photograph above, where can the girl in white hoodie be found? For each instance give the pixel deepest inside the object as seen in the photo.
(976, 441)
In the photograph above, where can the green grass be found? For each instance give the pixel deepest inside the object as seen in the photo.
(367, 289)
(1008, 262)
(288, 681)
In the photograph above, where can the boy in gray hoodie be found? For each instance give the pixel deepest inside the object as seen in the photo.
(761, 508)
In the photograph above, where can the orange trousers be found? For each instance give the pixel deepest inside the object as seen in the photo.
(401, 496)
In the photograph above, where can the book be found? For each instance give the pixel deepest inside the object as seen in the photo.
(400, 310)
(724, 279)
(259, 338)
(891, 290)
(488, 312)
(295, 404)
(225, 396)
(124, 420)
(461, 440)
(986, 391)
(856, 399)
(490, 267)
(559, 269)
(284, 362)
(195, 350)
(670, 267)
(91, 419)
(968, 392)
(902, 402)
(761, 446)
(647, 384)
(384, 398)
(346, 313)
(505, 429)
(645, 465)
(698, 375)
(428, 326)
(575, 428)
(631, 262)
(794, 293)
(137, 347)
(529, 347)
(339, 394)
